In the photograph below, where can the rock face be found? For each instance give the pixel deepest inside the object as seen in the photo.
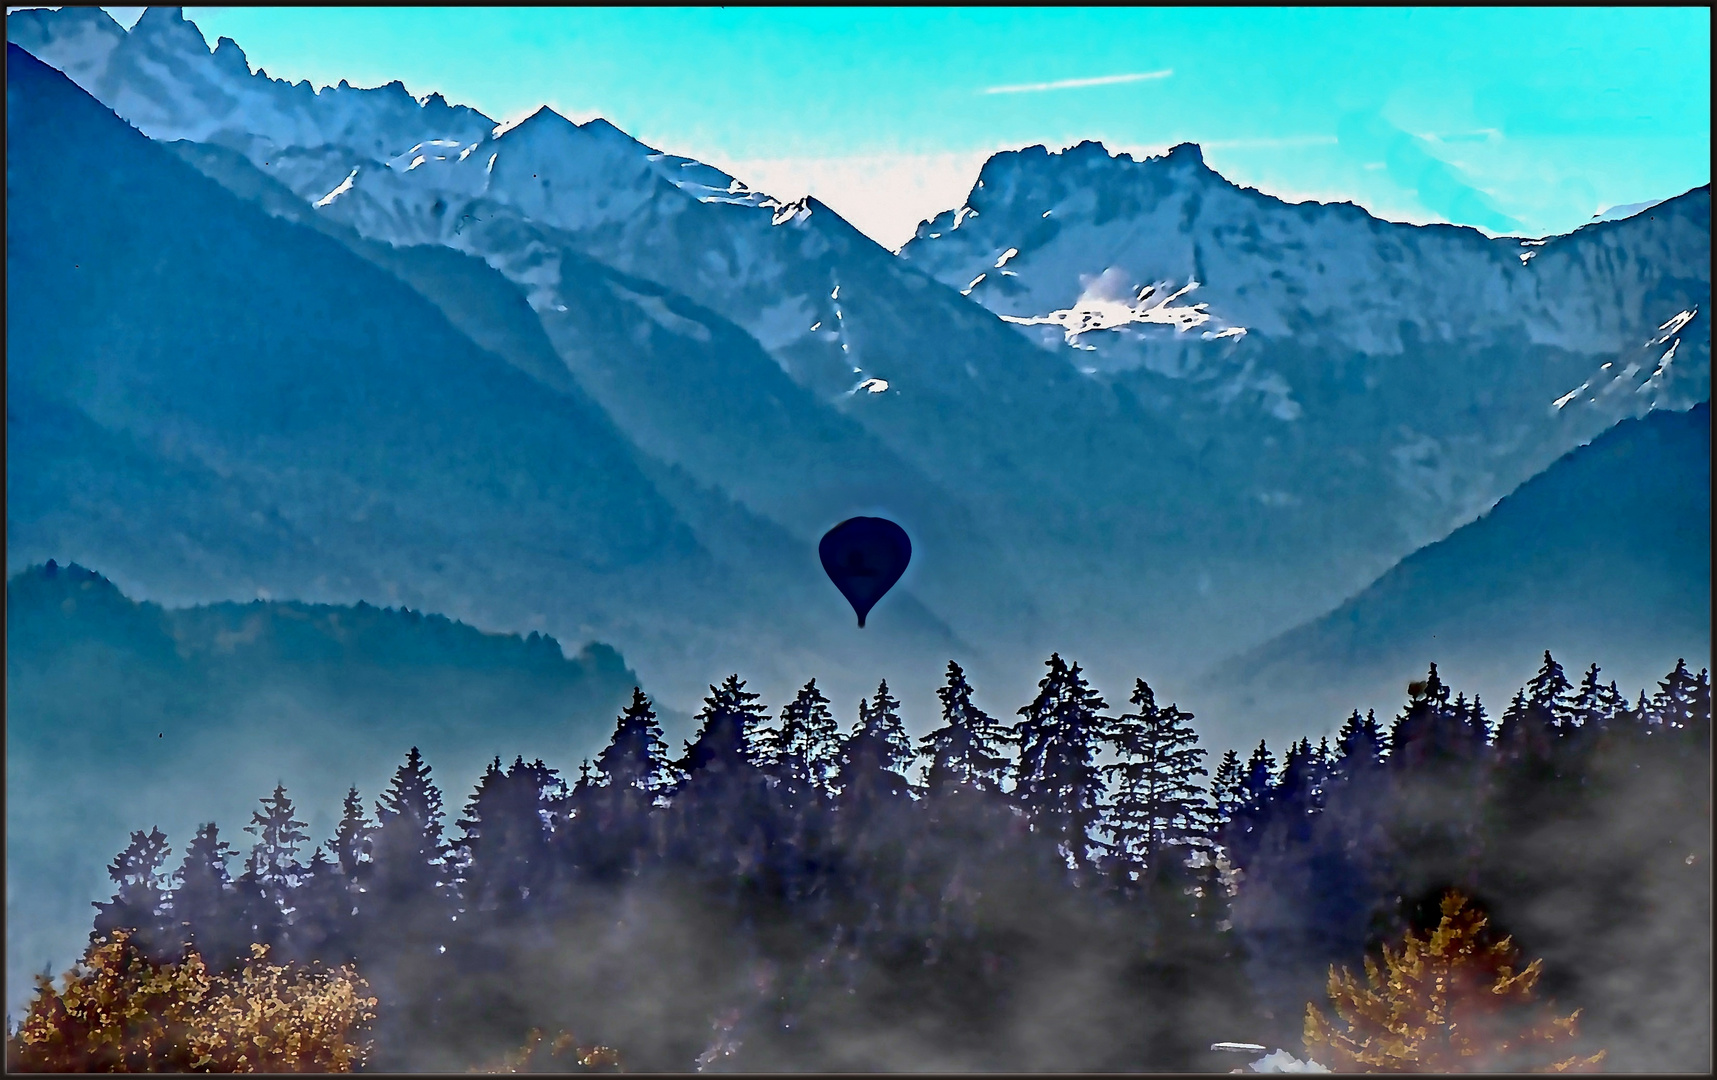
(1126, 409)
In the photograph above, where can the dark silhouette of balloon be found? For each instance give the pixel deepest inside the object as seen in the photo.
(864, 557)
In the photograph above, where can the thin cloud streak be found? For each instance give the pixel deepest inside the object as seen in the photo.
(1071, 84)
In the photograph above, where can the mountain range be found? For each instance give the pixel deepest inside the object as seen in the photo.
(1125, 407)
(277, 350)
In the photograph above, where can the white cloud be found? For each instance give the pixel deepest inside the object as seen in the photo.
(885, 196)
(1072, 84)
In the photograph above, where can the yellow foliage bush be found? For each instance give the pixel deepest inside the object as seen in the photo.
(1448, 1003)
(120, 1012)
(564, 1053)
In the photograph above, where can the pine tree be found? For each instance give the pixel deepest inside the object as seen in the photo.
(351, 844)
(1432, 730)
(322, 918)
(504, 849)
(1225, 787)
(965, 752)
(1596, 706)
(1525, 733)
(273, 858)
(636, 758)
(1258, 779)
(1252, 806)
(142, 903)
(803, 750)
(1550, 696)
(1477, 729)
(1360, 743)
(1683, 700)
(205, 903)
(1058, 782)
(717, 818)
(724, 741)
(876, 755)
(408, 853)
(408, 910)
(1157, 804)
(1297, 792)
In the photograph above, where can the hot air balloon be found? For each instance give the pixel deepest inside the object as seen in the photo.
(864, 557)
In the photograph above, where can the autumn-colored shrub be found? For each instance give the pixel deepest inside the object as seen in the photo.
(119, 1011)
(1453, 1002)
(563, 1053)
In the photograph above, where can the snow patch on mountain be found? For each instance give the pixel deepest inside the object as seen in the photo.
(1105, 304)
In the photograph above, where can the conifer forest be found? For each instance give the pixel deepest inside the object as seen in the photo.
(1076, 885)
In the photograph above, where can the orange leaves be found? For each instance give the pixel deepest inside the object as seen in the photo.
(118, 1012)
(1450, 1002)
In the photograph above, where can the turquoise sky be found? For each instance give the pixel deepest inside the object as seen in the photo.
(1525, 120)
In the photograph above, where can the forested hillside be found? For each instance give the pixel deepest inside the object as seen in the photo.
(1060, 892)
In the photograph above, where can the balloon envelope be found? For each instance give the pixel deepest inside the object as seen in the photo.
(864, 557)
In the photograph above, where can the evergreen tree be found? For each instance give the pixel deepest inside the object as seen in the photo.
(1225, 787)
(1157, 805)
(1596, 706)
(1258, 779)
(719, 822)
(636, 758)
(1683, 700)
(1059, 784)
(504, 849)
(804, 748)
(1297, 791)
(1252, 805)
(408, 910)
(274, 856)
(965, 752)
(1525, 733)
(408, 854)
(322, 916)
(205, 903)
(876, 755)
(1550, 696)
(1432, 730)
(728, 720)
(142, 902)
(1478, 729)
(1360, 744)
(351, 844)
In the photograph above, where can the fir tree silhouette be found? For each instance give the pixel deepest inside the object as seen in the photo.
(273, 862)
(1158, 804)
(142, 902)
(205, 902)
(966, 751)
(1059, 784)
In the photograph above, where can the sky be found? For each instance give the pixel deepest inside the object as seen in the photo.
(1524, 121)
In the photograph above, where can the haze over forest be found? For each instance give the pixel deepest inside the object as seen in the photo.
(343, 421)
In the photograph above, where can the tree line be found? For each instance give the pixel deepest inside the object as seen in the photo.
(1069, 890)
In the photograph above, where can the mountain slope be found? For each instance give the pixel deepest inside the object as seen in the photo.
(1605, 556)
(417, 467)
(111, 704)
(1264, 327)
(1157, 482)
